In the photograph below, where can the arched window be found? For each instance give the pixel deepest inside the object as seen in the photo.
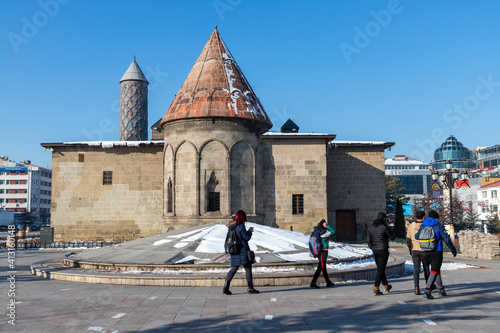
(169, 195)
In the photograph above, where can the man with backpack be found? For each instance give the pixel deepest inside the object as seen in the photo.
(431, 236)
(416, 252)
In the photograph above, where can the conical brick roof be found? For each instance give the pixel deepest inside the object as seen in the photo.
(216, 87)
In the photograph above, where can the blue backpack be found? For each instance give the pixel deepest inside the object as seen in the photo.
(315, 244)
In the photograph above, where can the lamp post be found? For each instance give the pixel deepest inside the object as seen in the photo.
(449, 179)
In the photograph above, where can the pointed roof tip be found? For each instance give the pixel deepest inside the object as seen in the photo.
(216, 27)
(134, 73)
(216, 87)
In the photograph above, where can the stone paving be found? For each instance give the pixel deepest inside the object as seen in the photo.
(472, 304)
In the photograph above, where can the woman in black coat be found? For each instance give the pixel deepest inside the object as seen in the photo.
(240, 259)
(378, 241)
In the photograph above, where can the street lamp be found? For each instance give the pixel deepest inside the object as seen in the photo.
(449, 179)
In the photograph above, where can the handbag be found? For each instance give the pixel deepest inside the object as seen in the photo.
(251, 256)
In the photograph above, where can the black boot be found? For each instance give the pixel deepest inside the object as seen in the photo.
(251, 289)
(428, 294)
(225, 290)
(314, 285)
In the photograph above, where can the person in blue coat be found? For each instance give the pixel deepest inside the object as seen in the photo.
(435, 257)
(240, 259)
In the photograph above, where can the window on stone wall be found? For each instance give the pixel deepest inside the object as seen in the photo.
(297, 204)
(81, 158)
(213, 201)
(107, 178)
(169, 196)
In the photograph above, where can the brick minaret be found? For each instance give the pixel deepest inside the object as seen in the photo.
(134, 104)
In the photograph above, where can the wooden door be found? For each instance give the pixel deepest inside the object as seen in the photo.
(345, 225)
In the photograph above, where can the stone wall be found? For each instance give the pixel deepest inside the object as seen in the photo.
(475, 244)
(84, 208)
(209, 155)
(293, 166)
(356, 182)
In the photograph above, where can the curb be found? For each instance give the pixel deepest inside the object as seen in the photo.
(396, 267)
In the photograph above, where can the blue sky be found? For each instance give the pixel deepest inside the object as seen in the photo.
(412, 72)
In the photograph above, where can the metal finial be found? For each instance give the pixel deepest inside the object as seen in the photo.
(215, 27)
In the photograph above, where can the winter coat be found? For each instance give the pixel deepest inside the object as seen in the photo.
(439, 231)
(244, 236)
(325, 234)
(412, 242)
(378, 235)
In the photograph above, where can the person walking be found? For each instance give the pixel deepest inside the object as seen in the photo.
(377, 238)
(240, 259)
(325, 232)
(435, 257)
(417, 255)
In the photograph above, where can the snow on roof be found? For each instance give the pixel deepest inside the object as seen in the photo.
(349, 142)
(392, 161)
(361, 143)
(296, 134)
(105, 144)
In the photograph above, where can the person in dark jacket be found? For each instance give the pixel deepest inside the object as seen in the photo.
(325, 232)
(435, 257)
(378, 241)
(241, 258)
(418, 256)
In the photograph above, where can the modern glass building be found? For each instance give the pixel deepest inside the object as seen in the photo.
(455, 151)
(415, 175)
(488, 157)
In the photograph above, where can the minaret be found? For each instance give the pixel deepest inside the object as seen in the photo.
(134, 104)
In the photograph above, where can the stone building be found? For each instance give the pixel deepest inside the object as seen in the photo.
(211, 155)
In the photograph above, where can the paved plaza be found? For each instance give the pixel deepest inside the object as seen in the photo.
(472, 304)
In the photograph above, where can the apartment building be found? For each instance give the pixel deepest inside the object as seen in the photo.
(25, 188)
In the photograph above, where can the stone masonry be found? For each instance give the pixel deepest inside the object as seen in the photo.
(356, 181)
(475, 244)
(84, 208)
(294, 166)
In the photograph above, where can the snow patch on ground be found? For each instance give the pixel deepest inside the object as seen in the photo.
(447, 266)
(162, 241)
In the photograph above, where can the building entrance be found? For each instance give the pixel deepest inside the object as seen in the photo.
(345, 225)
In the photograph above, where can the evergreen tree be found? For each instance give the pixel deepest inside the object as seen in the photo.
(493, 222)
(399, 224)
(395, 199)
(393, 193)
(469, 221)
(458, 211)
